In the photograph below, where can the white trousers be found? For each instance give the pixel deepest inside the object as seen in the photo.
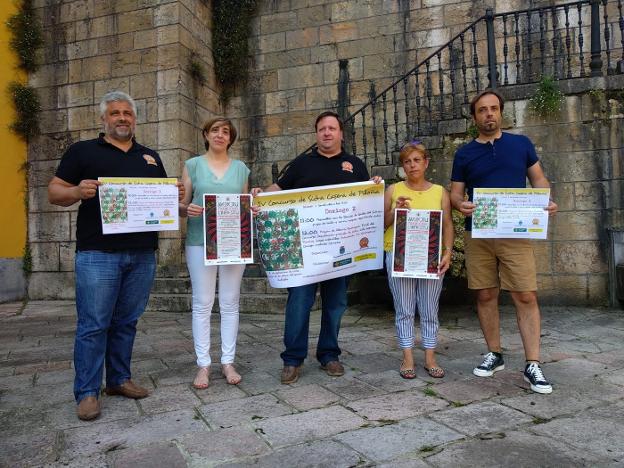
(203, 282)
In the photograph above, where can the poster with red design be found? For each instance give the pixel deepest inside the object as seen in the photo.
(416, 248)
(228, 229)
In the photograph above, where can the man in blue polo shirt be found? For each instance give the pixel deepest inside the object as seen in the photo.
(497, 159)
(327, 164)
(114, 273)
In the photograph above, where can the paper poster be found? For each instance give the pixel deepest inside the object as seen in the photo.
(510, 213)
(228, 229)
(311, 235)
(138, 204)
(416, 248)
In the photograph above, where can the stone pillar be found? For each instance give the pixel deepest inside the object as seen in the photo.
(93, 47)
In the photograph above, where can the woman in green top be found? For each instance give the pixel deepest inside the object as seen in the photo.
(212, 172)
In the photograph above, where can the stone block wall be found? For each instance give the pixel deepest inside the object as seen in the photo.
(92, 47)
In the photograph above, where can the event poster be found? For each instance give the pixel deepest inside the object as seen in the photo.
(228, 229)
(311, 235)
(416, 246)
(510, 213)
(138, 204)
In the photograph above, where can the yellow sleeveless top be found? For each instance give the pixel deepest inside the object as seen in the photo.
(430, 199)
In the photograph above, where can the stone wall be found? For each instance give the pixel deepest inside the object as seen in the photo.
(92, 47)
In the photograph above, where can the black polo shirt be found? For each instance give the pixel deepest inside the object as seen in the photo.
(97, 158)
(314, 170)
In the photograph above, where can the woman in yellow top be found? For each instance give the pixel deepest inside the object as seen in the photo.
(412, 294)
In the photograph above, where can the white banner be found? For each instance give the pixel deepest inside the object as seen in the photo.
(311, 235)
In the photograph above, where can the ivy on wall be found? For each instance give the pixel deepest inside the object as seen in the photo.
(26, 39)
(231, 28)
(27, 36)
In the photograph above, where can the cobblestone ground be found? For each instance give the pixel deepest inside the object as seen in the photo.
(369, 417)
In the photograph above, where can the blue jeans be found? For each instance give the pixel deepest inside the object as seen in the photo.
(296, 326)
(112, 289)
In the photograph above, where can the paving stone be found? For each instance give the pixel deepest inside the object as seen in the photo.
(219, 390)
(244, 410)
(308, 397)
(315, 454)
(63, 416)
(481, 417)
(352, 389)
(32, 449)
(17, 382)
(169, 398)
(565, 399)
(371, 363)
(303, 427)
(218, 446)
(256, 382)
(161, 454)
(391, 381)
(37, 397)
(395, 440)
(396, 406)
(55, 377)
(367, 347)
(21, 421)
(130, 433)
(517, 449)
(475, 389)
(414, 462)
(597, 431)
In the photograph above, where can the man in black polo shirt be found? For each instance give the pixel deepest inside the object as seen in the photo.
(327, 164)
(114, 273)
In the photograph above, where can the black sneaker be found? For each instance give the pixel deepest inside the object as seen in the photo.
(492, 362)
(533, 375)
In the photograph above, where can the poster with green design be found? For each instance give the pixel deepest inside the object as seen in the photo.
(510, 213)
(138, 204)
(279, 239)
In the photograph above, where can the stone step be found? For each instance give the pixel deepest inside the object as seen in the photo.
(250, 303)
(249, 285)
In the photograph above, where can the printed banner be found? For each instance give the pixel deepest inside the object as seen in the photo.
(510, 213)
(416, 248)
(227, 229)
(311, 235)
(138, 204)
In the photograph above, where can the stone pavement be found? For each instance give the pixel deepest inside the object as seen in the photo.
(369, 417)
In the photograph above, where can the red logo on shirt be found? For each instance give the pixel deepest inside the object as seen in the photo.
(150, 160)
(347, 166)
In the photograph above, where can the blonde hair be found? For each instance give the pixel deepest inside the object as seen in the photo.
(410, 147)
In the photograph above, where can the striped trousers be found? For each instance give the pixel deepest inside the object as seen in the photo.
(411, 295)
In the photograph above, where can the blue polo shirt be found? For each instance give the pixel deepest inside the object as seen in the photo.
(500, 164)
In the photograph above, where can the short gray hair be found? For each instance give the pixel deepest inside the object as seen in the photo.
(116, 96)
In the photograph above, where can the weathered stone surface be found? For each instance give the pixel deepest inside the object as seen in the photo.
(302, 427)
(394, 440)
(308, 397)
(482, 417)
(218, 446)
(397, 406)
(244, 410)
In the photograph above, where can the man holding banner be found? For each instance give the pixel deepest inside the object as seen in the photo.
(115, 272)
(499, 159)
(327, 164)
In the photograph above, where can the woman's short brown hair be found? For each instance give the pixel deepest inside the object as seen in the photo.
(409, 148)
(222, 122)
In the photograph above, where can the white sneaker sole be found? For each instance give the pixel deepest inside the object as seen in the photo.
(483, 373)
(536, 389)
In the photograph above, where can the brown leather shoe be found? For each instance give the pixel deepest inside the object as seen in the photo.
(333, 369)
(88, 408)
(290, 374)
(128, 389)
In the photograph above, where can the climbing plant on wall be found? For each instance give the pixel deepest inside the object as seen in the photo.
(231, 28)
(26, 39)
